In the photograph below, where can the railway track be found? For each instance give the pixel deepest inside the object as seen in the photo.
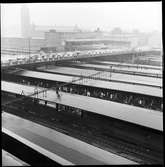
(118, 64)
(112, 143)
(113, 70)
(102, 78)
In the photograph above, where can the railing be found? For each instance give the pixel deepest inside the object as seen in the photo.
(36, 58)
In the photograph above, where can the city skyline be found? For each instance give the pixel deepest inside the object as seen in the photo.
(96, 15)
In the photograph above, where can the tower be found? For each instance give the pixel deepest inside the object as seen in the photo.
(25, 22)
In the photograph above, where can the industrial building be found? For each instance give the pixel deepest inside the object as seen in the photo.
(93, 44)
(61, 38)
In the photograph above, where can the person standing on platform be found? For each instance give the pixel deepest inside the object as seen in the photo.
(57, 92)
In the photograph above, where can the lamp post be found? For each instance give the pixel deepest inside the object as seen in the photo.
(29, 45)
(110, 72)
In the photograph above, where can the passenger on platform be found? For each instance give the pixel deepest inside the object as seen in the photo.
(130, 100)
(88, 93)
(22, 93)
(111, 96)
(45, 93)
(101, 94)
(141, 102)
(71, 90)
(57, 92)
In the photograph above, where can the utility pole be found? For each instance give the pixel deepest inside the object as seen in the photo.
(29, 46)
(110, 72)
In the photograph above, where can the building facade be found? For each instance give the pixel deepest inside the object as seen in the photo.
(58, 39)
(22, 44)
(94, 44)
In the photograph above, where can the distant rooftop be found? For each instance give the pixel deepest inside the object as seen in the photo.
(88, 40)
(58, 28)
(15, 38)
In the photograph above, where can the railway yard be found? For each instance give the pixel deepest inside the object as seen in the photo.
(112, 107)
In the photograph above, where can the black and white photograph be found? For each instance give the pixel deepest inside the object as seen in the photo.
(81, 83)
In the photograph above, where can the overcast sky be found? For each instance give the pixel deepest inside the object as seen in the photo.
(145, 16)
